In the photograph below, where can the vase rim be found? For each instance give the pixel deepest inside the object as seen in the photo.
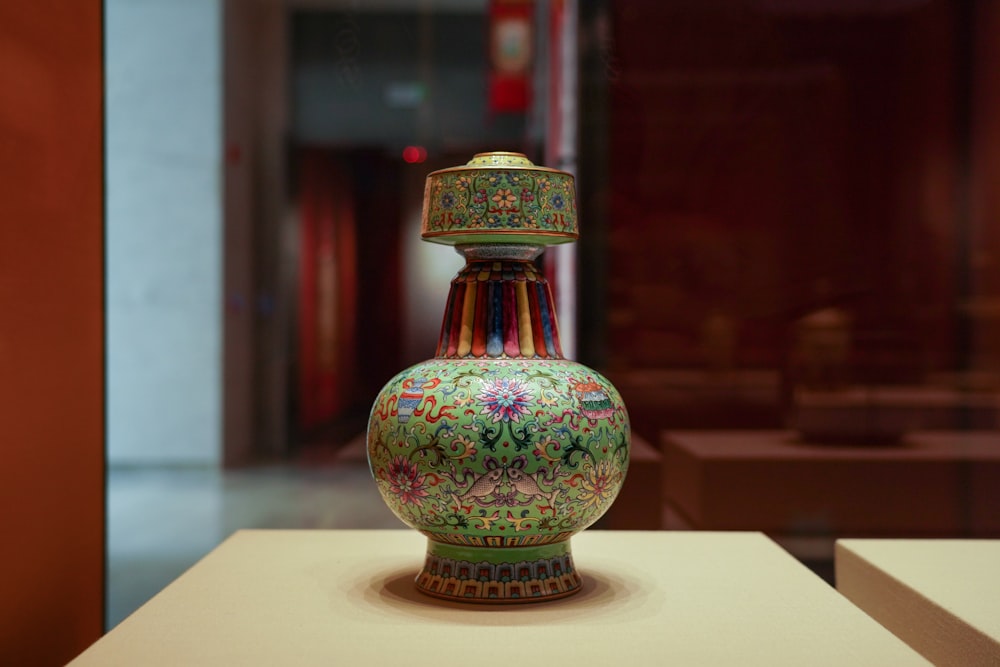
(503, 160)
(501, 236)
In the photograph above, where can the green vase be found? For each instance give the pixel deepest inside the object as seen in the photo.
(499, 449)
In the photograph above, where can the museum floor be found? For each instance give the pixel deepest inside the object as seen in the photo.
(163, 520)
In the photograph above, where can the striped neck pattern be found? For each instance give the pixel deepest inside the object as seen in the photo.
(499, 309)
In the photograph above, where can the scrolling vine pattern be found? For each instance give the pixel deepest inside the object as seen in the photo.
(523, 446)
(502, 200)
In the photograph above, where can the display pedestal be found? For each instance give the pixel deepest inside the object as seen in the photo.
(648, 598)
(773, 482)
(940, 596)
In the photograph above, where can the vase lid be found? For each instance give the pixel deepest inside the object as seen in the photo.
(499, 197)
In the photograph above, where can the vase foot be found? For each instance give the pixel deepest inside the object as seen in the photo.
(498, 575)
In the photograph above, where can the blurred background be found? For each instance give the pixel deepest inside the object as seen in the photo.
(789, 263)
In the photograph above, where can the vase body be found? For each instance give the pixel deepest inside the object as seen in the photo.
(499, 449)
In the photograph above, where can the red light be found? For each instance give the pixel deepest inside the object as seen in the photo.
(414, 154)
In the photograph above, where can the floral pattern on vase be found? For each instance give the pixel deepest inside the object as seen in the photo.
(504, 196)
(499, 450)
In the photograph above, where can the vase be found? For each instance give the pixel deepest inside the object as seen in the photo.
(499, 449)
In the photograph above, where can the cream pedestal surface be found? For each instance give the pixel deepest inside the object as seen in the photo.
(941, 596)
(347, 598)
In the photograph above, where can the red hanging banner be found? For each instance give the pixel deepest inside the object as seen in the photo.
(510, 57)
(327, 289)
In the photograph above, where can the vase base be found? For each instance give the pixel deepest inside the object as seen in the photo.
(499, 575)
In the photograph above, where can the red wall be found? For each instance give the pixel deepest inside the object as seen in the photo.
(51, 330)
(780, 161)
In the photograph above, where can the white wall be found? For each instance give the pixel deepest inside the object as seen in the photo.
(164, 230)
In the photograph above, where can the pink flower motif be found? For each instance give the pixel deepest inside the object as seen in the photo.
(405, 481)
(505, 399)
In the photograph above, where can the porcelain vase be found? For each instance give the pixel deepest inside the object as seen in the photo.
(499, 449)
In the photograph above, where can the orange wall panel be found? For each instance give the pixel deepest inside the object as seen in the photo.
(51, 330)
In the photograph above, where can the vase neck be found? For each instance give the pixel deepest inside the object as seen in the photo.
(499, 306)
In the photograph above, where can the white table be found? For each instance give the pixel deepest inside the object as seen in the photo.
(346, 598)
(941, 596)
